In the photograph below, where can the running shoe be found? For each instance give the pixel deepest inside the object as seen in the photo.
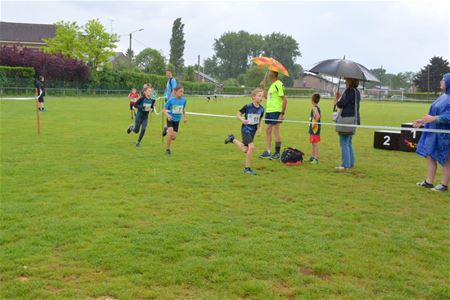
(314, 161)
(168, 152)
(249, 171)
(266, 154)
(440, 188)
(425, 184)
(130, 128)
(138, 144)
(229, 139)
(276, 156)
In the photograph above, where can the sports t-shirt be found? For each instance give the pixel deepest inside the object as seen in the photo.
(254, 115)
(274, 97)
(175, 107)
(40, 87)
(144, 106)
(171, 84)
(314, 128)
(133, 97)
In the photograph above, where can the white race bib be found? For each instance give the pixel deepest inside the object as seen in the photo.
(177, 109)
(146, 107)
(253, 119)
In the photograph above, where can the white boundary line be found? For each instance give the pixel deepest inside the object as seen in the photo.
(34, 98)
(334, 124)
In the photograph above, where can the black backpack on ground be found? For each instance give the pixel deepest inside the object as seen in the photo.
(292, 156)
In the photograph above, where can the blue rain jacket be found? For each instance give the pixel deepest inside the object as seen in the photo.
(437, 145)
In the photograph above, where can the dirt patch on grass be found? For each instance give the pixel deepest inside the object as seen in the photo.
(285, 290)
(23, 279)
(310, 272)
(105, 298)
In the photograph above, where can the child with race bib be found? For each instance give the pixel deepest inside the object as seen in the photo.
(174, 109)
(144, 106)
(250, 116)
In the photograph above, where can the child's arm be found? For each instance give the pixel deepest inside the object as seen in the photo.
(316, 114)
(184, 114)
(260, 126)
(166, 112)
(241, 118)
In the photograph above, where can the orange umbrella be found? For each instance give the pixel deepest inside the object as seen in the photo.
(271, 63)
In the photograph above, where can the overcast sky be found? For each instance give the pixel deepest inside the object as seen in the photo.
(400, 35)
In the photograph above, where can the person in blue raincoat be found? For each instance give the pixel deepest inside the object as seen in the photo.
(435, 147)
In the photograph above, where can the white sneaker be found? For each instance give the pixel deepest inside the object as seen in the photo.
(339, 168)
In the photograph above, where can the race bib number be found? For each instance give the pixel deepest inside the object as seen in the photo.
(146, 107)
(177, 109)
(253, 119)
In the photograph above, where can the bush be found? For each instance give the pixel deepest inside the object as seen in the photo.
(59, 71)
(17, 76)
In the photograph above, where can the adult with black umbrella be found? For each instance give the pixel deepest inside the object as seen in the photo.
(348, 103)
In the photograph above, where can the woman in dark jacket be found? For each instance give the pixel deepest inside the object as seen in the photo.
(346, 104)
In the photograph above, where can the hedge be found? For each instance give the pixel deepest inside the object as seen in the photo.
(17, 76)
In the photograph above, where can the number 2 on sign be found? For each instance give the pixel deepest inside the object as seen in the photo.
(387, 140)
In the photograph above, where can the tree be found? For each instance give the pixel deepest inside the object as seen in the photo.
(98, 44)
(177, 45)
(285, 49)
(231, 82)
(189, 74)
(90, 43)
(150, 61)
(254, 76)
(211, 67)
(234, 50)
(66, 41)
(429, 77)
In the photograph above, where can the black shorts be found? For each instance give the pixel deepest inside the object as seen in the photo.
(131, 106)
(41, 99)
(272, 117)
(173, 124)
(247, 137)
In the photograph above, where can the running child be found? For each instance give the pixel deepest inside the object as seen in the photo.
(144, 106)
(314, 128)
(251, 118)
(173, 110)
(133, 96)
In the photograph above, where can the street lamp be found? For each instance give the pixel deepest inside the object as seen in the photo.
(129, 54)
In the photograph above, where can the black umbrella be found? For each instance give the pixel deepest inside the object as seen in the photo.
(343, 68)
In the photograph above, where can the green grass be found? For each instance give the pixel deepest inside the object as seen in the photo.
(84, 214)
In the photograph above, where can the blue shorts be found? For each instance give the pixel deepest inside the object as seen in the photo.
(272, 116)
(247, 137)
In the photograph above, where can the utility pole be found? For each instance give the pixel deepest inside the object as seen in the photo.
(130, 51)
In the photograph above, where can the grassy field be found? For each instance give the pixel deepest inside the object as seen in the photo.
(86, 215)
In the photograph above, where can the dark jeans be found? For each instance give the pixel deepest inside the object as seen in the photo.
(141, 123)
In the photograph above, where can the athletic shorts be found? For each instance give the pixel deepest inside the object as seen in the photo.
(272, 116)
(314, 138)
(132, 105)
(247, 137)
(173, 124)
(41, 99)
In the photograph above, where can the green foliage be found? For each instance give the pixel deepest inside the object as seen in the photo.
(234, 90)
(189, 74)
(233, 51)
(85, 215)
(17, 76)
(89, 43)
(113, 79)
(67, 41)
(429, 77)
(230, 82)
(151, 61)
(254, 76)
(177, 46)
(285, 49)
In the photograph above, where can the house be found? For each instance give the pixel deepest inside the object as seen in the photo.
(377, 92)
(312, 81)
(25, 34)
(200, 76)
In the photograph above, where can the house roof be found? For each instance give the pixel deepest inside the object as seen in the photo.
(206, 76)
(25, 32)
(306, 74)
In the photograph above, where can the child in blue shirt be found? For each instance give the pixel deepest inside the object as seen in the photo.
(174, 109)
(251, 116)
